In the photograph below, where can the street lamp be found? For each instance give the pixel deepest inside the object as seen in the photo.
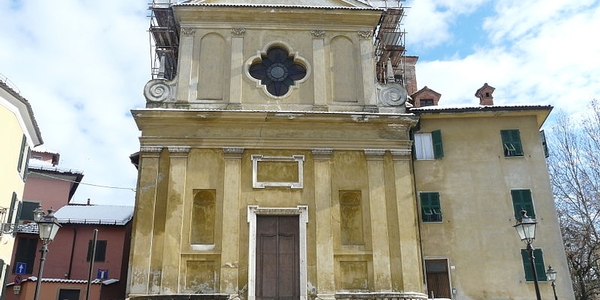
(526, 229)
(551, 274)
(47, 227)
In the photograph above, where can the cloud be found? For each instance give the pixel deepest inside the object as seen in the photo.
(537, 52)
(430, 21)
(82, 65)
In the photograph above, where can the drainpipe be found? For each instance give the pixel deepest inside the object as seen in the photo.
(72, 251)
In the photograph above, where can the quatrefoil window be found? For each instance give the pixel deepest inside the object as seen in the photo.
(277, 71)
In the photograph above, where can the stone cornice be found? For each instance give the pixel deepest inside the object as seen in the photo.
(322, 153)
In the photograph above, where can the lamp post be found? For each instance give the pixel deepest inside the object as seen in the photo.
(551, 274)
(526, 229)
(48, 227)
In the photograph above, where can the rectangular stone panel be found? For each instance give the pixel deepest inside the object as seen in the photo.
(201, 276)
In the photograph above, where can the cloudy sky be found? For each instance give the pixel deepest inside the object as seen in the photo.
(83, 64)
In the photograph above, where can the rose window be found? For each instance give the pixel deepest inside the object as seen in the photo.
(277, 71)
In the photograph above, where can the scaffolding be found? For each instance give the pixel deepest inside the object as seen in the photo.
(164, 39)
(390, 42)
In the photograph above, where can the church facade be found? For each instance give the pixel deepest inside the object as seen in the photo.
(276, 157)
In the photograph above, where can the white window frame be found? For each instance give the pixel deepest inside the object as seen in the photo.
(424, 146)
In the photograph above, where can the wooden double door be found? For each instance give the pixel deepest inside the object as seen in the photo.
(278, 258)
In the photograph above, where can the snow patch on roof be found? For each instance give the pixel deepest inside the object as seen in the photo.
(70, 281)
(42, 149)
(36, 164)
(95, 214)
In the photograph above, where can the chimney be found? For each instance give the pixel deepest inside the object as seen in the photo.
(484, 94)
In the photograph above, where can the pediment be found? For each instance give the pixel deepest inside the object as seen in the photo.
(315, 3)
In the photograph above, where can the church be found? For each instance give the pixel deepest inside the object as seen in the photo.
(286, 153)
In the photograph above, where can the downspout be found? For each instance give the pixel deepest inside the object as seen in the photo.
(414, 172)
(72, 251)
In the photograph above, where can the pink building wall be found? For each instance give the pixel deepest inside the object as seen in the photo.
(68, 253)
(51, 193)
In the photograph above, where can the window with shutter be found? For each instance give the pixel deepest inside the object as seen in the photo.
(26, 251)
(100, 251)
(436, 139)
(522, 201)
(539, 265)
(431, 210)
(27, 211)
(428, 145)
(511, 142)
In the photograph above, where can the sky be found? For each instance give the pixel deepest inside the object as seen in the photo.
(82, 65)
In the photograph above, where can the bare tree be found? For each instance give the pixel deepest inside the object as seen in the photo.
(574, 166)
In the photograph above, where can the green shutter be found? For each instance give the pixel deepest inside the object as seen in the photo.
(522, 201)
(26, 253)
(4, 274)
(438, 149)
(544, 143)
(21, 154)
(17, 218)
(430, 207)
(13, 202)
(27, 211)
(26, 170)
(540, 268)
(511, 142)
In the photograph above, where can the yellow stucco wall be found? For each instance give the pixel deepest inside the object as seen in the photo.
(474, 181)
(12, 181)
(219, 43)
(165, 261)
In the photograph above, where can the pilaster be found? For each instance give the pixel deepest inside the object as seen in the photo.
(231, 206)
(368, 67)
(410, 251)
(320, 81)
(184, 75)
(325, 260)
(379, 223)
(139, 274)
(178, 156)
(237, 67)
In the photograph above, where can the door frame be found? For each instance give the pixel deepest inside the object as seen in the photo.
(448, 273)
(254, 210)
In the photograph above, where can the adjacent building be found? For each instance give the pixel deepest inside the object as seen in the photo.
(67, 267)
(281, 158)
(20, 133)
(475, 168)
